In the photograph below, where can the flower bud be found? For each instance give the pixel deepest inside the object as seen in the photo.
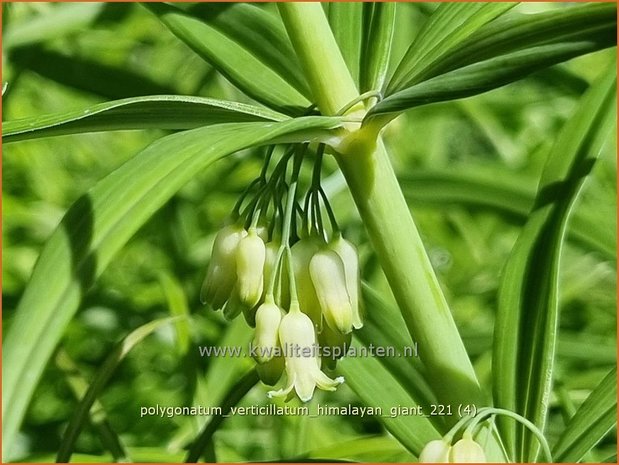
(327, 273)
(298, 340)
(234, 306)
(436, 451)
(350, 259)
(271, 371)
(250, 257)
(302, 253)
(268, 318)
(221, 274)
(466, 450)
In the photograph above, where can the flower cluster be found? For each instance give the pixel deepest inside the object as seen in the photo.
(298, 288)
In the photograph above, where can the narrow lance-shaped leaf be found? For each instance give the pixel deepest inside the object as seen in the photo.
(98, 225)
(172, 112)
(242, 385)
(260, 32)
(487, 75)
(505, 51)
(526, 327)
(494, 188)
(520, 31)
(385, 327)
(108, 437)
(363, 449)
(86, 74)
(449, 25)
(377, 45)
(377, 388)
(101, 378)
(346, 20)
(237, 62)
(591, 422)
(219, 380)
(63, 19)
(178, 307)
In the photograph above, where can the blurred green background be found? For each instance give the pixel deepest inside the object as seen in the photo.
(68, 56)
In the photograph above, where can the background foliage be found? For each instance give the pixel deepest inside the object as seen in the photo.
(469, 169)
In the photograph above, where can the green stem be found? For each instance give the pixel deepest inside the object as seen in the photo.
(377, 194)
(397, 243)
(314, 43)
(287, 221)
(519, 418)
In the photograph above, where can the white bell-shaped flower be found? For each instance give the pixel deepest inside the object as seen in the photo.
(221, 273)
(302, 253)
(466, 450)
(268, 318)
(329, 279)
(436, 451)
(250, 258)
(348, 253)
(298, 341)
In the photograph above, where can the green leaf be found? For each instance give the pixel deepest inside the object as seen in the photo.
(224, 371)
(521, 31)
(346, 20)
(449, 25)
(260, 32)
(234, 395)
(139, 454)
(218, 383)
(364, 449)
(172, 112)
(80, 417)
(591, 422)
(63, 19)
(234, 58)
(377, 388)
(108, 437)
(526, 326)
(385, 327)
(178, 307)
(387, 382)
(99, 224)
(109, 82)
(491, 187)
(489, 74)
(377, 45)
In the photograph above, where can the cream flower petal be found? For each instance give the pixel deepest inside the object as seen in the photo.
(298, 339)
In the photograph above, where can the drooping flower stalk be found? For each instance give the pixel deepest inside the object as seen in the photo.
(269, 272)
